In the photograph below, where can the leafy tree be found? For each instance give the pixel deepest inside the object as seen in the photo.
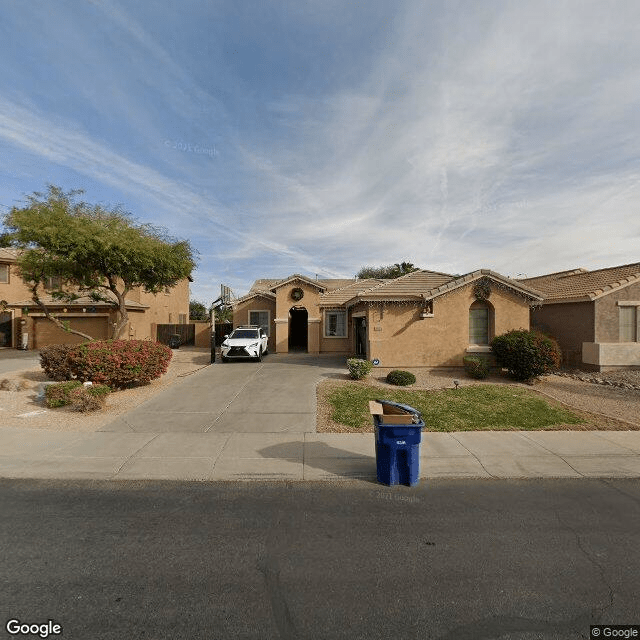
(95, 251)
(389, 271)
(198, 311)
(223, 314)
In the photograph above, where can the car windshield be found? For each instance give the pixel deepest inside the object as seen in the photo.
(244, 333)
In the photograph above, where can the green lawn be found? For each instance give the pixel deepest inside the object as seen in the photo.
(473, 408)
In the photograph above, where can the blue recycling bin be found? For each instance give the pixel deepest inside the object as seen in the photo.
(398, 445)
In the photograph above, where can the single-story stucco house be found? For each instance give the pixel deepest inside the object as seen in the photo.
(424, 318)
(594, 315)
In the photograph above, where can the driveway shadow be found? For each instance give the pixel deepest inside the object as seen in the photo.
(330, 460)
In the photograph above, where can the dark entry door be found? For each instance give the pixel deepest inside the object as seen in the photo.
(298, 329)
(5, 329)
(360, 332)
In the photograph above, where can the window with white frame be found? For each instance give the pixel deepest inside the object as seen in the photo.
(182, 318)
(628, 324)
(479, 324)
(4, 273)
(260, 319)
(335, 324)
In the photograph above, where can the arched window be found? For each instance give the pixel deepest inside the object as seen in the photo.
(480, 323)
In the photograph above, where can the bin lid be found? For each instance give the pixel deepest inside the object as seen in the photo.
(403, 407)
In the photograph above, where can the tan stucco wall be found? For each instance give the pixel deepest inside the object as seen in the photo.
(399, 338)
(241, 315)
(611, 355)
(607, 313)
(571, 324)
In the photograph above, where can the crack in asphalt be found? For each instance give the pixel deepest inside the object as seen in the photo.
(496, 627)
(597, 612)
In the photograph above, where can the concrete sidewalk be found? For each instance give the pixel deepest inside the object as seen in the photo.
(31, 453)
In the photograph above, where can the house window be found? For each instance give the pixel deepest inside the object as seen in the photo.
(335, 324)
(4, 274)
(628, 324)
(479, 316)
(53, 282)
(260, 319)
(182, 318)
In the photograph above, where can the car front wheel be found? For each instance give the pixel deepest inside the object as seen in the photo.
(259, 358)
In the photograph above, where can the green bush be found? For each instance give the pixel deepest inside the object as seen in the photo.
(54, 360)
(526, 354)
(74, 393)
(358, 369)
(476, 367)
(400, 378)
(119, 363)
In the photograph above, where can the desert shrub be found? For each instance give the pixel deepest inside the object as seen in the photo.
(119, 363)
(476, 367)
(400, 378)
(74, 393)
(54, 360)
(358, 369)
(526, 354)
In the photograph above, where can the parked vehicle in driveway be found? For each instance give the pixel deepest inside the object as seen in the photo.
(245, 342)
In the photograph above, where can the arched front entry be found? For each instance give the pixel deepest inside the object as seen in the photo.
(298, 328)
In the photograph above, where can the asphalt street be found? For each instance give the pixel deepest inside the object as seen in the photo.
(447, 560)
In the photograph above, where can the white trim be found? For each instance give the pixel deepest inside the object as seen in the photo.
(478, 348)
(267, 311)
(325, 324)
(628, 303)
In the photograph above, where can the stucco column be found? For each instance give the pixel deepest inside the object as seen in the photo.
(313, 336)
(282, 335)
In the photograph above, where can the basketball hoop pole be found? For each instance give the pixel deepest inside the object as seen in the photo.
(213, 335)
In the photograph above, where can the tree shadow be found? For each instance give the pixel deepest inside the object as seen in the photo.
(335, 462)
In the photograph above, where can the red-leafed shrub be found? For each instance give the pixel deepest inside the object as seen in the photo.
(119, 363)
(54, 359)
(526, 354)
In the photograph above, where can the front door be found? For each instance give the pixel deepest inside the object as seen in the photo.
(5, 329)
(298, 329)
(360, 333)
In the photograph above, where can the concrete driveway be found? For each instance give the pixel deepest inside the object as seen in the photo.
(277, 395)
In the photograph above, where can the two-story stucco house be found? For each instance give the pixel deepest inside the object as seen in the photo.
(424, 318)
(20, 316)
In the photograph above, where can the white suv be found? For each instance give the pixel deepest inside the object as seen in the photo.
(245, 342)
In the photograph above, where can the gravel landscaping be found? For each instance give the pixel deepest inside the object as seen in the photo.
(19, 406)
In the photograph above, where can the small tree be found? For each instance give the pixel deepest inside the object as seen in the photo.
(389, 271)
(95, 251)
(526, 354)
(198, 311)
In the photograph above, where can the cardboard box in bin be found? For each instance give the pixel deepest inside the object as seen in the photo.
(391, 414)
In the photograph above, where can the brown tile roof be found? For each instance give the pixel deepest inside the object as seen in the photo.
(580, 284)
(254, 293)
(339, 296)
(329, 284)
(84, 301)
(430, 284)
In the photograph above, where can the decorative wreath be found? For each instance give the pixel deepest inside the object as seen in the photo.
(297, 294)
(482, 289)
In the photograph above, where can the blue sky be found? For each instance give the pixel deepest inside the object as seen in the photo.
(317, 137)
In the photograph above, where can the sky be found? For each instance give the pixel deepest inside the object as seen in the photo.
(320, 136)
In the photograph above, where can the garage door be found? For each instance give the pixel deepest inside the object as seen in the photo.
(48, 333)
